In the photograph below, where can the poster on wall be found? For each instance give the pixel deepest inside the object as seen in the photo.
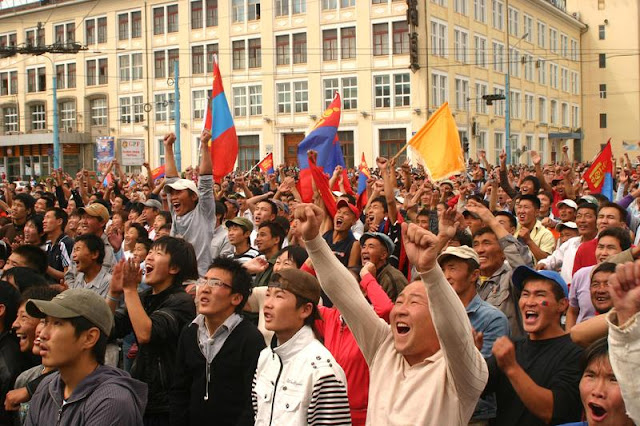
(132, 152)
(105, 151)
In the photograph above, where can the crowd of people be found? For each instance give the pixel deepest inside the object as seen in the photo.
(505, 295)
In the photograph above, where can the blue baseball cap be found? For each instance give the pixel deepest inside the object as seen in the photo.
(523, 273)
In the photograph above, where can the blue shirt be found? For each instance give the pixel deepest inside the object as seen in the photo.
(489, 320)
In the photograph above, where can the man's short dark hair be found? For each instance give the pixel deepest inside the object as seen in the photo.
(25, 278)
(284, 223)
(604, 267)
(80, 325)
(49, 199)
(221, 208)
(10, 298)
(104, 202)
(274, 206)
(598, 349)
(35, 257)
(512, 218)
(244, 231)
(142, 231)
(165, 227)
(621, 210)
(94, 245)
(532, 198)
(276, 231)
(463, 237)
(146, 242)
(43, 292)
(167, 216)
(535, 182)
(382, 201)
(241, 282)
(620, 234)
(484, 230)
(26, 199)
(295, 253)
(60, 214)
(182, 256)
(590, 206)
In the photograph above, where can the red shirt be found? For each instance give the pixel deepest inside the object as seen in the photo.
(586, 255)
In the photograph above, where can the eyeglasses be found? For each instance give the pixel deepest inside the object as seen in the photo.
(212, 282)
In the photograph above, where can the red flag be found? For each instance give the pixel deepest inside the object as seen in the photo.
(266, 165)
(224, 141)
(599, 176)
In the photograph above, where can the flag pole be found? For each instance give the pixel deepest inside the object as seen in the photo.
(256, 165)
(404, 148)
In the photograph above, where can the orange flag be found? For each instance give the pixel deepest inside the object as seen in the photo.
(438, 143)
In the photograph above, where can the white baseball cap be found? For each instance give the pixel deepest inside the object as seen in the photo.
(181, 184)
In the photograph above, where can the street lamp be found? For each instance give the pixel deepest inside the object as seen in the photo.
(507, 82)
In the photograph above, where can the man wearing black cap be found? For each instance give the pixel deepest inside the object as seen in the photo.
(297, 380)
(536, 378)
(150, 210)
(84, 391)
(377, 248)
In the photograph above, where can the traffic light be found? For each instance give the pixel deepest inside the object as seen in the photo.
(492, 98)
(465, 144)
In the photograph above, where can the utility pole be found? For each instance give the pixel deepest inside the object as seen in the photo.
(39, 50)
(176, 109)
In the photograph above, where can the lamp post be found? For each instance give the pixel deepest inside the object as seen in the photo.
(507, 83)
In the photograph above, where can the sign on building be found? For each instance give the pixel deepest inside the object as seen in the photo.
(132, 152)
(105, 151)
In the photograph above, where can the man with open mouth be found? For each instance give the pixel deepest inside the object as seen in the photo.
(536, 378)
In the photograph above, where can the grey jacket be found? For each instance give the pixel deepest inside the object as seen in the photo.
(107, 396)
(498, 289)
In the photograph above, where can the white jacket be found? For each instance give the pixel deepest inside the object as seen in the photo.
(299, 383)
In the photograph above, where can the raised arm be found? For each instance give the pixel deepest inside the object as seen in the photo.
(338, 283)
(205, 157)
(504, 178)
(169, 159)
(389, 179)
(536, 159)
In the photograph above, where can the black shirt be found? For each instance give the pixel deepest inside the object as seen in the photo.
(552, 364)
(342, 249)
(59, 252)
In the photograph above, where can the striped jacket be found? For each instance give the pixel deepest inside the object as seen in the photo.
(299, 383)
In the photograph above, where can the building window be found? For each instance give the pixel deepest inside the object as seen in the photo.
(349, 93)
(601, 32)
(603, 121)
(329, 4)
(564, 79)
(8, 83)
(247, 96)
(514, 22)
(131, 109)
(498, 106)
(299, 48)
(329, 45)
(380, 39)
(603, 91)
(574, 50)
(346, 139)
(282, 50)
(439, 89)
(165, 19)
(442, 3)
(95, 30)
(575, 82)
(67, 115)
(330, 86)
(461, 7)
(401, 94)
(514, 62)
(602, 60)
(300, 95)
(514, 104)
(528, 107)
(462, 93)
(498, 145)
(348, 42)
(98, 111)
(243, 10)
(255, 52)
(10, 119)
(125, 110)
(199, 103)
(402, 90)
(38, 117)
(36, 80)
(239, 48)
(200, 64)
(480, 44)
(129, 25)
(130, 66)
(481, 141)
(542, 71)
(542, 110)
(248, 151)
(480, 10)
(239, 54)
(497, 15)
(34, 37)
(10, 39)
(165, 106)
(553, 75)
(391, 142)
(460, 44)
(65, 33)
(528, 27)
(66, 76)
(439, 37)
(498, 56)
(400, 37)
(97, 71)
(164, 61)
(482, 89)
(575, 116)
(564, 45)
(542, 34)
(553, 40)
(554, 111)
(564, 114)
(283, 7)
